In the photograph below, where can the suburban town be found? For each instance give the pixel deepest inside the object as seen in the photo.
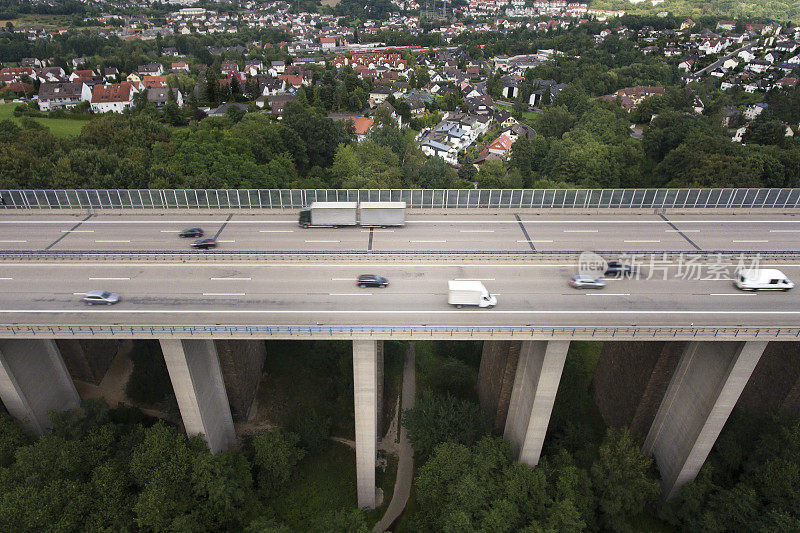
(339, 266)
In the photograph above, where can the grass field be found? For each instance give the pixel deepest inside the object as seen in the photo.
(30, 20)
(60, 127)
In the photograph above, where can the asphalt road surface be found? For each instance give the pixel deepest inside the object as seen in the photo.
(440, 232)
(326, 293)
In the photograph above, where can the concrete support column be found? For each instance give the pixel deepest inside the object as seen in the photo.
(365, 384)
(701, 395)
(535, 386)
(196, 377)
(34, 381)
(496, 379)
(379, 392)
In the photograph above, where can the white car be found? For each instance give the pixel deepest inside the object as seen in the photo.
(101, 297)
(586, 282)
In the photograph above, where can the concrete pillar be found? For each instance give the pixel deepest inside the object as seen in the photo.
(535, 386)
(88, 359)
(379, 407)
(241, 362)
(34, 381)
(496, 379)
(701, 395)
(196, 377)
(365, 384)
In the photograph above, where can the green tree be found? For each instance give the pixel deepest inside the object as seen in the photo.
(623, 480)
(275, 455)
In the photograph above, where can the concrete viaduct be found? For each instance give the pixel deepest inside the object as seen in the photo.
(698, 341)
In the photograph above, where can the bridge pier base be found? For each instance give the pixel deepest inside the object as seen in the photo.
(536, 382)
(699, 398)
(496, 379)
(196, 377)
(365, 384)
(34, 381)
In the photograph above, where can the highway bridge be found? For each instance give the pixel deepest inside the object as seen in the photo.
(270, 278)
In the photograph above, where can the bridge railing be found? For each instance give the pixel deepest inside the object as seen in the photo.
(414, 198)
(399, 332)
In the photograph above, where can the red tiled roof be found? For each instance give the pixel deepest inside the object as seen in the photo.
(362, 124)
(112, 92)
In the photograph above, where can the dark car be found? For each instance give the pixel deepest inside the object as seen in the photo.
(617, 270)
(191, 232)
(372, 280)
(205, 244)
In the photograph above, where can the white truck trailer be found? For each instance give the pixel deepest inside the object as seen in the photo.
(469, 292)
(329, 214)
(352, 214)
(382, 213)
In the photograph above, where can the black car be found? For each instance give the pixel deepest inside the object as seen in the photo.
(372, 280)
(191, 232)
(205, 244)
(618, 270)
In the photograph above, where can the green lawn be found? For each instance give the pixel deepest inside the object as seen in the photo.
(60, 127)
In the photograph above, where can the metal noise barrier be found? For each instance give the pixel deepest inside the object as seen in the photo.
(521, 255)
(400, 332)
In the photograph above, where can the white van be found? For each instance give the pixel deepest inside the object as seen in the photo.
(763, 279)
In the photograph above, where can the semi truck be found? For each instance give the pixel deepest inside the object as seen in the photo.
(469, 292)
(335, 214)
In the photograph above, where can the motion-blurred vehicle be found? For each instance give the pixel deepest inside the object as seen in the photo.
(586, 282)
(101, 297)
(763, 279)
(372, 280)
(617, 270)
(205, 244)
(191, 232)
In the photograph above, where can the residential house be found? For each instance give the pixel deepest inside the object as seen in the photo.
(179, 67)
(150, 82)
(170, 51)
(12, 74)
(110, 74)
(328, 43)
(112, 97)
(78, 61)
(754, 110)
(361, 126)
(84, 75)
(160, 96)
(63, 95)
(52, 75)
(758, 66)
(436, 149)
(276, 103)
(150, 69)
(500, 146)
(222, 110)
(378, 94)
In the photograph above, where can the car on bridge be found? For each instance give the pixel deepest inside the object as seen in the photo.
(205, 244)
(617, 269)
(191, 232)
(372, 280)
(101, 297)
(586, 282)
(763, 279)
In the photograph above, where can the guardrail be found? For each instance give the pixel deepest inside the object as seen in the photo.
(637, 257)
(707, 333)
(415, 198)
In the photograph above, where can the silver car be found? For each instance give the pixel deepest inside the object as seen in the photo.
(101, 297)
(586, 282)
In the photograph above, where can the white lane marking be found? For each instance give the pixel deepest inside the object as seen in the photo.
(350, 294)
(581, 231)
(108, 279)
(397, 312)
(524, 240)
(608, 294)
(77, 231)
(427, 241)
(231, 279)
(477, 231)
(784, 231)
(6, 278)
(223, 294)
(474, 279)
(378, 231)
(112, 241)
(13, 241)
(323, 241)
(226, 241)
(343, 279)
(165, 231)
(79, 293)
(732, 294)
(442, 221)
(640, 241)
(681, 231)
(276, 231)
(748, 241)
